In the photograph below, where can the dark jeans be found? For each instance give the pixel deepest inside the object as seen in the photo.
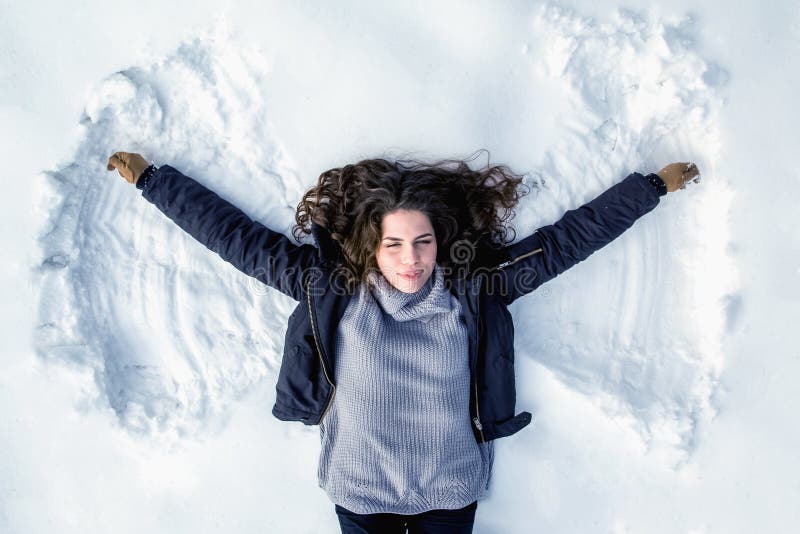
(432, 522)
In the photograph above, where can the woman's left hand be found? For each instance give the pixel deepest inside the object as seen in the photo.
(130, 165)
(677, 175)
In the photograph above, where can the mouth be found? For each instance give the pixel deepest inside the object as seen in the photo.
(411, 276)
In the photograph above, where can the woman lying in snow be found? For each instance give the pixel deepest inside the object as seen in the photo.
(401, 347)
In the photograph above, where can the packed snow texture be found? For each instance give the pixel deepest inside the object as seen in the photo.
(168, 335)
(168, 331)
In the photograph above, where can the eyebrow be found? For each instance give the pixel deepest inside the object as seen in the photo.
(418, 237)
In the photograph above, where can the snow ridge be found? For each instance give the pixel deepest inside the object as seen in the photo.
(638, 326)
(158, 328)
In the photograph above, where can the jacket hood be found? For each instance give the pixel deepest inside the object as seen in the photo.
(328, 249)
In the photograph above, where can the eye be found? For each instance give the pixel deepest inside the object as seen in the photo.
(426, 242)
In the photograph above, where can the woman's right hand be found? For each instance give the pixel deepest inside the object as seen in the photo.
(129, 164)
(677, 175)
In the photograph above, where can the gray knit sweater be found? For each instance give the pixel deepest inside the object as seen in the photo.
(397, 437)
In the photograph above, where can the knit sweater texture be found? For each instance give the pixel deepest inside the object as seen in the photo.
(397, 437)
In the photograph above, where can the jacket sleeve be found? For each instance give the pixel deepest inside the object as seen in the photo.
(248, 245)
(553, 249)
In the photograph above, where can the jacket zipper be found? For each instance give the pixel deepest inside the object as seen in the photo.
(477, 418)
(515, 260)
(319, 350)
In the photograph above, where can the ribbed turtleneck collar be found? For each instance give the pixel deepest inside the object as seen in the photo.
(431, 299)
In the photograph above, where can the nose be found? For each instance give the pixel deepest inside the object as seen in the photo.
(410, 256)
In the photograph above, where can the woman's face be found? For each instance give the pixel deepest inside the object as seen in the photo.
(407, 252)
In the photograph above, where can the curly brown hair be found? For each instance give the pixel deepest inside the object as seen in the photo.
(467, 208)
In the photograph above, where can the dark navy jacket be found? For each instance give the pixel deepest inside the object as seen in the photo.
(306, 384)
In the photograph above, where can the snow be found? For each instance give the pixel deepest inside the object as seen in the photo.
(137, 369)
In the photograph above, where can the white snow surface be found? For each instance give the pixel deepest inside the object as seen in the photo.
(138, 369)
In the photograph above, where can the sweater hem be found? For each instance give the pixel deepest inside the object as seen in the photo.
(362, 506)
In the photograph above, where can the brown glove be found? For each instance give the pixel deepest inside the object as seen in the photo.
(676, 175)
(129, 164)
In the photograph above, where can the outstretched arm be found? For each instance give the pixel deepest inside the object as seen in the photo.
(223, 228)
(553, 249)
